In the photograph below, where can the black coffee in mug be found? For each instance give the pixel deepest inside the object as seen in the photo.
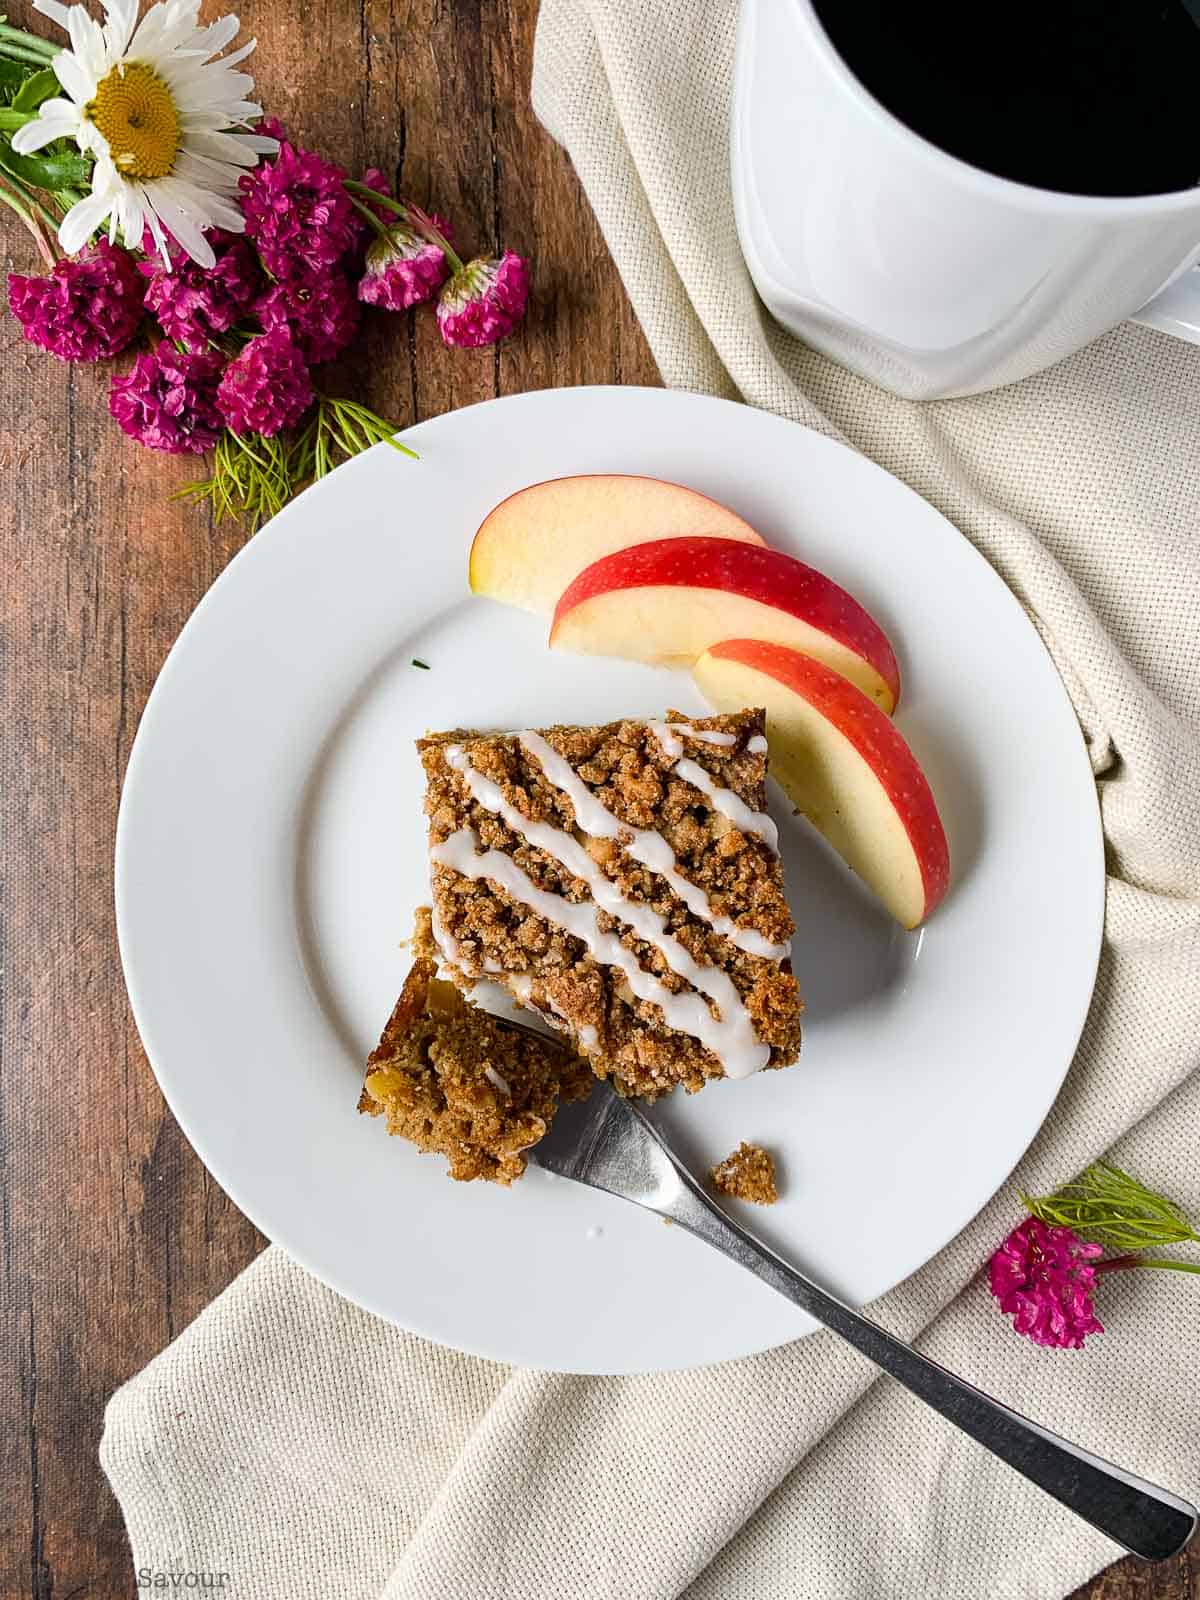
(1079, 96)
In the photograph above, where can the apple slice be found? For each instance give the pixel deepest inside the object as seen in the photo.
(669, 599)
(531, 546)
(844, 765)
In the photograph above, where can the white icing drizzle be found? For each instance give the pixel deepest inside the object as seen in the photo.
(667, 734)
(757, 745)
(521, 985)
(668, 737)
(731, 1037)
(643, 844)
(729, 804)
(496, 1081)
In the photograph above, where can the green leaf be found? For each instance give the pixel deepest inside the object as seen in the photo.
(12, 76)
(1109, 1207)
(253, 478)
(37, 87)
(49, 169)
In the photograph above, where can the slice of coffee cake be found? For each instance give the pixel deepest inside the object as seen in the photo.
(452, 1079)
(623, 881)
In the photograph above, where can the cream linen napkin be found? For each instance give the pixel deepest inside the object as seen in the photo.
(305, 1449)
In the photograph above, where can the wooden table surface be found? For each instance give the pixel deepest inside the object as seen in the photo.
(114, 1235)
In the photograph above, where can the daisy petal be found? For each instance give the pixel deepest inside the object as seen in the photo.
(59, 108)
(166, 28)
(228, 147)
(89, 137)
(227, 216)
(214, 176)
(88, 44)
(199, 87)
(258, 142)
(43, 131)
(240, 54)
(213, 39)
(78, 83)
(133, 221)
(200, 203)
(82, 220)
(122, 19)
(156, 232)
(160, 199)
(57, 13)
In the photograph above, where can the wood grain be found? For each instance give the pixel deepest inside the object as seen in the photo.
(114, 1236)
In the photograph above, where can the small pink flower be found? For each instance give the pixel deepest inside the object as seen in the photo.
(266, 388)
(191, 302)
(298, 213)
(484, 301)
(271, 127)
(87, 309)
(169, 400)
(404, 269)
(1043, 1279)
(320, 314)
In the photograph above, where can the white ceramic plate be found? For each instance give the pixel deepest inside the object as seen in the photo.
(270, 853)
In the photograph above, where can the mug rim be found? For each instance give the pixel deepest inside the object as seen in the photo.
(1027, 194)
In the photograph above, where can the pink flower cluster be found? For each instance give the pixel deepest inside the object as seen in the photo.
(169, 400)
(191, 303)
(238, 339)
(402, 268)
(484, 300)
(86, 310)
(1043, 1278)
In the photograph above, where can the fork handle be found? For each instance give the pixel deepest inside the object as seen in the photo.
(1148, 1521)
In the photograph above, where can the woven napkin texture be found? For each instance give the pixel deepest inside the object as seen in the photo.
(303, 1448)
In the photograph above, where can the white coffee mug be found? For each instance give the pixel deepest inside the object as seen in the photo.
(925, 274)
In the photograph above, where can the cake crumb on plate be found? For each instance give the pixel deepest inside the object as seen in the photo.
(747, 1174)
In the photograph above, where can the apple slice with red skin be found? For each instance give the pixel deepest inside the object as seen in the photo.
(670, 599)
(844, 765)
(534, 543)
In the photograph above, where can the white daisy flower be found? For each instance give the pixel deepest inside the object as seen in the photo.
(159, 115)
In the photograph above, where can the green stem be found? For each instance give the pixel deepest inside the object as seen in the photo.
(10, 200)
(353, 187)
(29, 198)
(369, 216)
(18, 39)
(25, 58)
(413, 215)
(42, 211)
(425, 227)
(1122, 1263)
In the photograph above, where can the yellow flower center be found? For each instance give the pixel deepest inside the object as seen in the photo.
(134, 111)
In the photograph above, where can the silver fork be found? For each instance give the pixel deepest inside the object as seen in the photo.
(607, 1143)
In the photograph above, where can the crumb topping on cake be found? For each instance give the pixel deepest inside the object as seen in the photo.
(623, 881)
